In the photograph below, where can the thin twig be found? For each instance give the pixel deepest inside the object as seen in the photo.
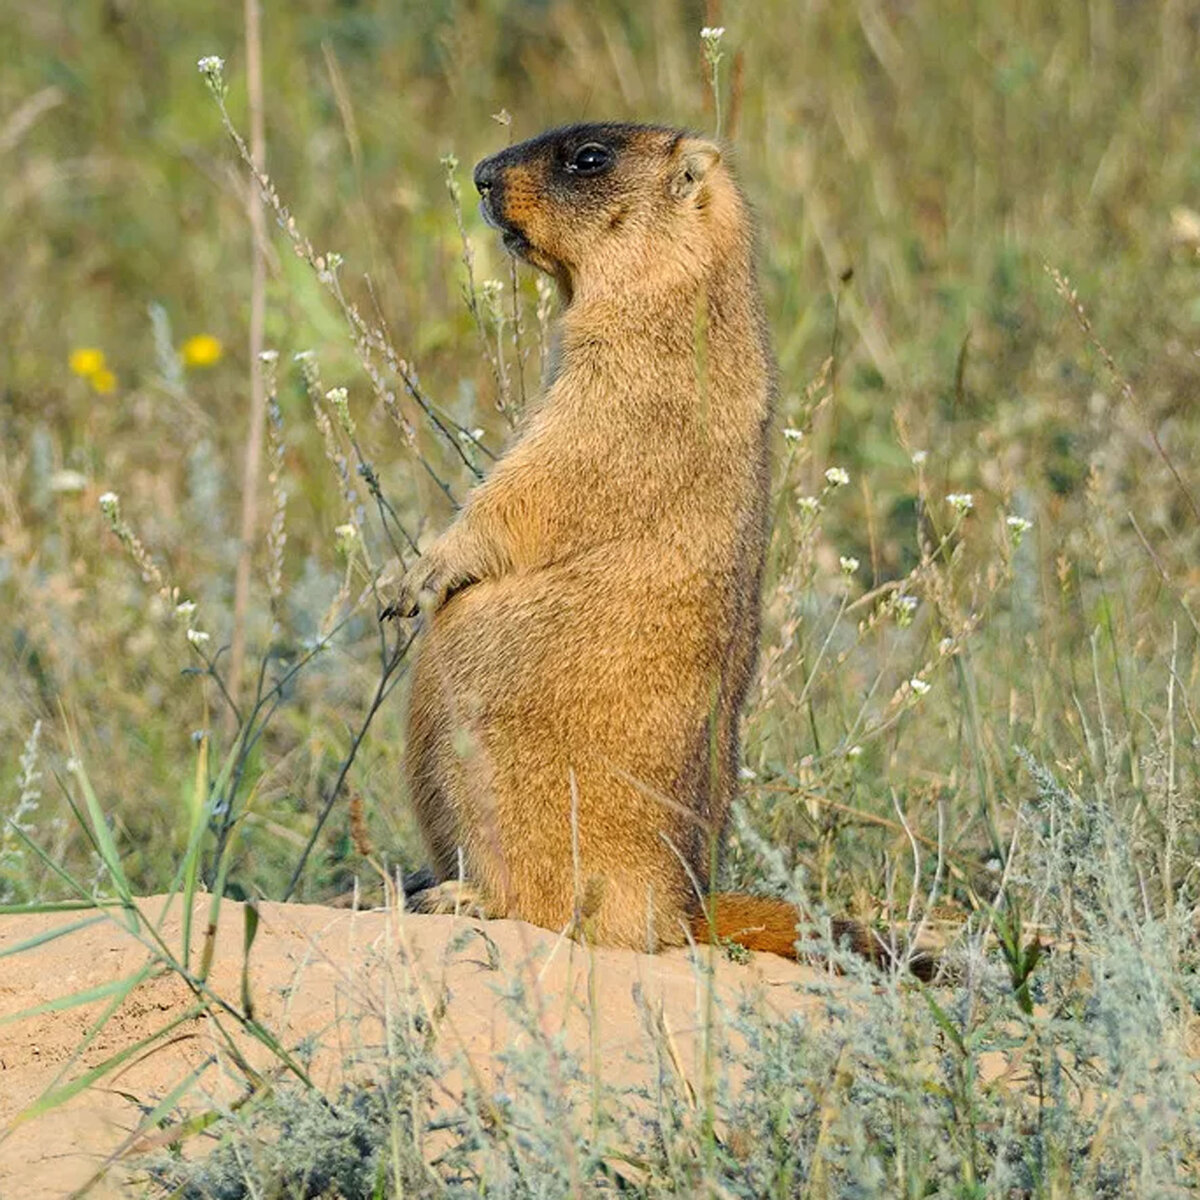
(381, 692)
(258, 302)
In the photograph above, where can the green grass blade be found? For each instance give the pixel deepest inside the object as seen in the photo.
(191, 862)
(53, 1097)
(139, 1141)
(46, 861)
(250, 931)
(48, 906)
(99, 992)
(105, 845)
(218, 789)
(130, 982)
(50, 935)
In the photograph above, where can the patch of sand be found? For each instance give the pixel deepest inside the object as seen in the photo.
(334, 976)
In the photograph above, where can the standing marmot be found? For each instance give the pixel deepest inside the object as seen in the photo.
(594, 608)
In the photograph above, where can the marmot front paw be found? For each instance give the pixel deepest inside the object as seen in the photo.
(425, 587)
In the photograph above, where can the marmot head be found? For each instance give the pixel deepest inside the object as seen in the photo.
(602, 206)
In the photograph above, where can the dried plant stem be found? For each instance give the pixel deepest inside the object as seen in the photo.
(1062, 285)
(369, 341)
(258, 294)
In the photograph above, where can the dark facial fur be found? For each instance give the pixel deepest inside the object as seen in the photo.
(570, 196)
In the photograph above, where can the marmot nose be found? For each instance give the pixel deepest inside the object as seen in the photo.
(486, 174)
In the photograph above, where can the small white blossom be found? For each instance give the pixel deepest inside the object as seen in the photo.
(848, 563)
(962, 502)
(854, 752)
(746, 773)
(210, 64)
(73, 765)
(346, 531)
(919, 457)
(109, 500)
(304, 356)
(1018, 527)
(268, 356)
(808, 505)
(185, 608)
(793, 435)
(904, 608)
(197, 637)
(837, 476)
(918, 685)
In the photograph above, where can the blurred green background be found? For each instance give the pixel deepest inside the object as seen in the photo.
(914, 168)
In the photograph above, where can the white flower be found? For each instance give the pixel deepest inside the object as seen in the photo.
(854, 752)
(837, 476)
(109, 500)
(918, 685)
(848, 563)
(904, 607)
(963, 502)
(346, 532)
(919, 457)
(712, 33)
(197, 637)
(793, 435)
(268, 356)
(808, 505)
(210, 64)
(746, 773)
(304, 356)
(1018, 527)
(185, 608)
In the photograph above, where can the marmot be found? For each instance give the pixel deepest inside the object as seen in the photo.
(594, 609)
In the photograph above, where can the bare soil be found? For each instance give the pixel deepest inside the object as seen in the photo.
(330, 974)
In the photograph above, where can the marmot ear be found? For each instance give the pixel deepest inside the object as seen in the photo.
(694, 159)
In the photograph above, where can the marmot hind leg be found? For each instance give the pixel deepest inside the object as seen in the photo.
(456, 897)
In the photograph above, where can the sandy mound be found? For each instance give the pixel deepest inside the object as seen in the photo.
(324, 973)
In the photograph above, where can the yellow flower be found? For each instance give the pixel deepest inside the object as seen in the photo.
(103, 381)
(201, 351)
(86, 361)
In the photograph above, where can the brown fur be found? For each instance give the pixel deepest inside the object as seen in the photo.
(593, 611)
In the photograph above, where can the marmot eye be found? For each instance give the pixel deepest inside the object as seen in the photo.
(590, 159)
